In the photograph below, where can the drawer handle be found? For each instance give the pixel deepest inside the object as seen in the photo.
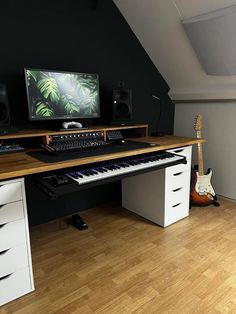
(5, 277)
(4, 252)
(176, 205)
(1, 226)
(176, 190)
(178, 173)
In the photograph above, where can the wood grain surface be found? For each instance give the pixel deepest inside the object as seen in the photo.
(41, 133)
(125, 264)
(21, 164)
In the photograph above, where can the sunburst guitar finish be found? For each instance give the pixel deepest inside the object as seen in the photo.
(202, 195)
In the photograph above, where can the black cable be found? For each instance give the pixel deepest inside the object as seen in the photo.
(158, 133)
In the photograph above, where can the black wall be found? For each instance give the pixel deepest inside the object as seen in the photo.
(71, 35)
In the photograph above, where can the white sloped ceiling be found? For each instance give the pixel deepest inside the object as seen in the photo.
(157, 25)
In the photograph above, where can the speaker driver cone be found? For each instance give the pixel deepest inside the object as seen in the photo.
(122, 110)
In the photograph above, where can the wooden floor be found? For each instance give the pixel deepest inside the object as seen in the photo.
(125, 264)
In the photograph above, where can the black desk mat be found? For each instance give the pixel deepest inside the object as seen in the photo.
(109, 149)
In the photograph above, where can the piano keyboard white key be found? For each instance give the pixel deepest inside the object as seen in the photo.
(121, 167)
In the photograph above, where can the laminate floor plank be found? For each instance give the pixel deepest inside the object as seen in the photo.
(126, 264)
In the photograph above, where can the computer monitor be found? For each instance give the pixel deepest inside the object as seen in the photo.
(62, 95)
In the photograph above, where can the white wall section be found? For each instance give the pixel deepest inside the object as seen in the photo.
(157, 25)
(212, 36)
(219, 130)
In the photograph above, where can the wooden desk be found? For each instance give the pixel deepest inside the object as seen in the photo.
(14, 232)
(21, 164)
(141, 128)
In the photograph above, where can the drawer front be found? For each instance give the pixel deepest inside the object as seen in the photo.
(176, 196)
(13, 259)
(178, 168)
(15, 285)
(176, 211)
(177, 179)
(183, 151)
(10, 192)
(10, 212)
(12, 234)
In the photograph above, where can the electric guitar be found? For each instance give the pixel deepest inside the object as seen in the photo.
(202, 192)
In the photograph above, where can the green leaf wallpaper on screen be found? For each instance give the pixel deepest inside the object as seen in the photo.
(62, 95)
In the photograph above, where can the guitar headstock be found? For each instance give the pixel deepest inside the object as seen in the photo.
(198, 125)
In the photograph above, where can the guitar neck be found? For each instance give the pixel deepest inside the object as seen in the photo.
(198, 127)
(200, 160)
(200, 155)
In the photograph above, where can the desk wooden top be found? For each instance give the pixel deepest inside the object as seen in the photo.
(39, 133)
(21, 164)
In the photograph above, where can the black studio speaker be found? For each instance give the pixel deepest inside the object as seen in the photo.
(5, 127)
(122, 106)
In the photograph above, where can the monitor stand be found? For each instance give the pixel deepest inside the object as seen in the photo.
(71, 124)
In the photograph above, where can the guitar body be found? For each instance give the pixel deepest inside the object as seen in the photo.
(202, 192)
(203, 183)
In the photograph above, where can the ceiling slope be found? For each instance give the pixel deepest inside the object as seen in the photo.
(157, 25)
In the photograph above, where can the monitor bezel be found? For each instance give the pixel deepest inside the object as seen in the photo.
(60, 118)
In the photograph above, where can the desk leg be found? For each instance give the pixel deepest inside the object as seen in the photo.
(16, 275)
(159, 196)
(145, 195)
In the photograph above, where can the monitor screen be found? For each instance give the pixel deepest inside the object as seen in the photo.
(62, 95)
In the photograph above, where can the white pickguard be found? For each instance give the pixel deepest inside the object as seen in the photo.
(203, 184)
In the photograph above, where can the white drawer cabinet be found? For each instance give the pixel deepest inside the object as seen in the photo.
(185, 151)
(16, 277)
(11, 212)
(175, 180)
(176, 211)
(12, 234)
(176, 196)
(10, 192)
(161, 196)
(13, 259)
(15, 285)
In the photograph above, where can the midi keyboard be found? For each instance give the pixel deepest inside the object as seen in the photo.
(104, 172)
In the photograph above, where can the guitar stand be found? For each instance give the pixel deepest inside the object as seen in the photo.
(215, 203)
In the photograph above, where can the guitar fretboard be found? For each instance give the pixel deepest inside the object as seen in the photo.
(200, 156)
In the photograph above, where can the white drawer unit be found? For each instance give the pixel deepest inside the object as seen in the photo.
(10, 192)
(12, 234)
(176, 212)
(11, 212)
(13, 259)
(161, 196)
(14, 285)
(16, 277)
(183, 151)
(176, 196)
(176, 179)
